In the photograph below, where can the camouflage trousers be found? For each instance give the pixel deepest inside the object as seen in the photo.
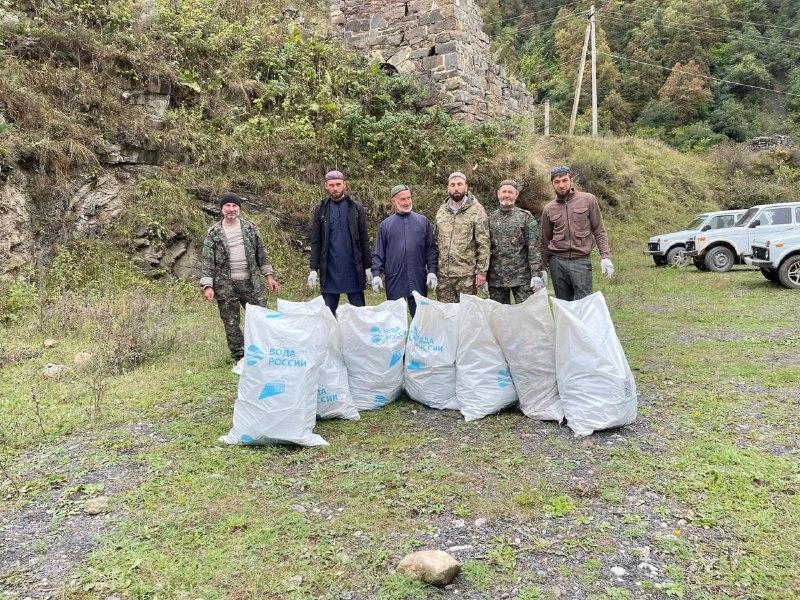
(450, 287)
(503, 294)
(230, 300)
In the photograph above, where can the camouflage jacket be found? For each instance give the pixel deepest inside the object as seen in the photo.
(215, 265)
(515, 247)
(463, 239)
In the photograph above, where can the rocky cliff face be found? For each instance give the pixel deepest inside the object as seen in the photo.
(86, 206)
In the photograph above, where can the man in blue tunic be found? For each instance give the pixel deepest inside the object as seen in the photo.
(339, 245)
(405, 251)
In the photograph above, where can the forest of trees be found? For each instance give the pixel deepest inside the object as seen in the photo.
(660, 64)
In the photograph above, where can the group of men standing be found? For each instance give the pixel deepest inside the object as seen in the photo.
(507, 253)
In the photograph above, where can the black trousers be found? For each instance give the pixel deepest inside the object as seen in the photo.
(332, 300)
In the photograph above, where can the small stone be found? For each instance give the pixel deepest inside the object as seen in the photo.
(504, 596)
(459, 523)
(96, 506)
(480, 522)
(460, 548)
(648, 567)
(81, 358)
(644, 553)
(52, 370)
(294, 582)
(434, 567)
(49, 343)
(298, 508)
(618, 571)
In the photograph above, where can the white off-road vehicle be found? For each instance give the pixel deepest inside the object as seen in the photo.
(721, 249)
(779, 258)
(670, 248)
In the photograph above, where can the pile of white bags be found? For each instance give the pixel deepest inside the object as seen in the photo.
(277, 395)
(595, 382)
(333, 391)
(430, 363)
(373, 340)
(527, 336)
(483, 381)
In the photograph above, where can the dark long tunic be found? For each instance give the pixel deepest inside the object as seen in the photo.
(340, 276)
(405, 252)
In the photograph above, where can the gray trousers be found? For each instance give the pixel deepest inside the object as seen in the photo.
(572, 277)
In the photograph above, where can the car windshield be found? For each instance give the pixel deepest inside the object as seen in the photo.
(746, 217)
(697, 223)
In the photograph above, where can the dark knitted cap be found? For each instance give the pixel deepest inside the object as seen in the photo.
(559, 170)
(230, 198)
(510, 182)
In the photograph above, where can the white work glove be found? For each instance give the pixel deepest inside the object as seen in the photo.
(369, 273)
(536, 284)
(312, 279)
(432, 281)
(607, 267)
(376, 284)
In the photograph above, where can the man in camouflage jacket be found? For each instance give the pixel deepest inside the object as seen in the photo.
(462, 237)
(514, 262)
(233, 261)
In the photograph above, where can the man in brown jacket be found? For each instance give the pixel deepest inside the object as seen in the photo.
(570, 227)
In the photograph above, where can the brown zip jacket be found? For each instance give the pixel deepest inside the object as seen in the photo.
(571, 227)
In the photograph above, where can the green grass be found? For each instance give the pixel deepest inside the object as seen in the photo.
(714, 357)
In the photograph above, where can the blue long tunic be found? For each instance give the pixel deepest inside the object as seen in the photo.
(340, 276)
(405, 252)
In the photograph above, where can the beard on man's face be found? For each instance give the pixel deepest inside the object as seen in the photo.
(457, 196)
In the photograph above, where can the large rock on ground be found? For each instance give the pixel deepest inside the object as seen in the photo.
(435, 567)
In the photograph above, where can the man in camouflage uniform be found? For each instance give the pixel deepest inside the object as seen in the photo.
(462, 237)
(233, 261)
(514, 262)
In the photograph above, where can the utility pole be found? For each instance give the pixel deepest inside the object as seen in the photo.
(580, 80)
(594, 73)
(547, 118)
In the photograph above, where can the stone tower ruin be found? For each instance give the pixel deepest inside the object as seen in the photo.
(442, 43)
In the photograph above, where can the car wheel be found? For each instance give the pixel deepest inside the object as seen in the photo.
(677, 256)
(719, 259)
(770, 274)
(698, 262)
(660, 261)
(789, 272)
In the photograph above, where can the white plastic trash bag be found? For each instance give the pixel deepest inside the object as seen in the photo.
(277, 397)
(594, 380)
(333, 391)
(373, 339)
(483, 381)
(527, 336)
(430, 363)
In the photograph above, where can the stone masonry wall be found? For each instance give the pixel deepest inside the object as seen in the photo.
(442, 43)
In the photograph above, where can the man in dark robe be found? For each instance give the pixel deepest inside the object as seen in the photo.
(405, 251)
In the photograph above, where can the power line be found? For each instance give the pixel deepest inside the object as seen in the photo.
(698, 29)
(533, 12)
(747, 85)
(661, 11)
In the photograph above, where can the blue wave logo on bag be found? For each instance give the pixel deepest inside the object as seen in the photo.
(273, 315)
(272, 388)
(246, 439)
(503, 378)
(386, 335)
(379, 400)
(396, 357)
(415, 365)
(253, 354)
(323, 397)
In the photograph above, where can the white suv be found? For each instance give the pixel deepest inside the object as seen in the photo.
(670, 248)
(719, 250)
(779, 259)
